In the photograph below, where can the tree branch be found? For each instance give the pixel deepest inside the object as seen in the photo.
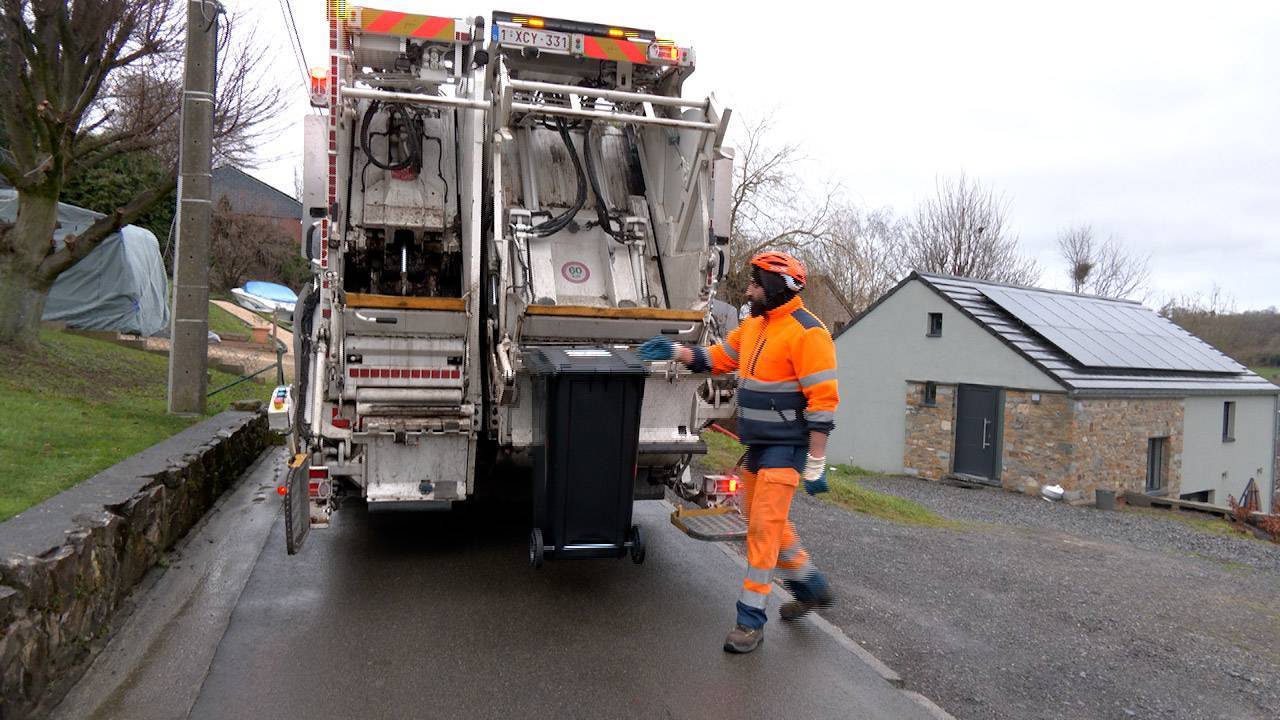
(77, 247)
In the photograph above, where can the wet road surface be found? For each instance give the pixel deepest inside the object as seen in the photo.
(399, 615)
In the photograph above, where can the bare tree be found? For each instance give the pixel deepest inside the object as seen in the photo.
(247, 245)
(1076, 247)
(860, 253)
(1106, 268)
(772, 207)
(961, 231)
(84, 81)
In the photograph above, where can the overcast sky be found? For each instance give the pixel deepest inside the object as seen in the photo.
(1158, 122)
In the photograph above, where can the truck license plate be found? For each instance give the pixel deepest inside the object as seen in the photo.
(525, 37)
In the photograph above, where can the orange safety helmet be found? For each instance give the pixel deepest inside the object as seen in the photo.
(791, 269)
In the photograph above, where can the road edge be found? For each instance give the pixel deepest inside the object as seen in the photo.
(835, 633)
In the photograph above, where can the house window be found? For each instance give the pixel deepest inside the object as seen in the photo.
(931, 394)
(1229, 421)
(935, 325)
(1157, 463)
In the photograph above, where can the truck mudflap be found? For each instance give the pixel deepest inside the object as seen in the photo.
(297, 503)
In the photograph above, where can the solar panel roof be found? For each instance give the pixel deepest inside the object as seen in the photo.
(1101, 333)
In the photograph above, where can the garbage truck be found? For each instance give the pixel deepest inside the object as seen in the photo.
(497, 211)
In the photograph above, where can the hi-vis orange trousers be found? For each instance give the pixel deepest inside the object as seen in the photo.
(772, 542)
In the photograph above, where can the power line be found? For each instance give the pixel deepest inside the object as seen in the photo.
(295, 44)
(293, 25)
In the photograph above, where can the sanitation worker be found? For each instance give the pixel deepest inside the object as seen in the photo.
(787, 397)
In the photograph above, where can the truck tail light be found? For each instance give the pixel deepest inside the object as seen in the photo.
(319, 81)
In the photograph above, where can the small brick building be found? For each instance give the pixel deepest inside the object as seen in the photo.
(1015, 386)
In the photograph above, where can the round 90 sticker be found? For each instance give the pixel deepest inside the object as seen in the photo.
(575, 272)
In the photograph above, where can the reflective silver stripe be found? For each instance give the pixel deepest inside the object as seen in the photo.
(788, 554)
(728, 350)
(767, 415)
(770, 386)
(753, 599)
(820, 416)
(801, 573)
(818, 377)
(790, 573)
(764, 577)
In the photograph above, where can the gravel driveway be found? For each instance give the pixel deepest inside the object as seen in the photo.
(1033, 609)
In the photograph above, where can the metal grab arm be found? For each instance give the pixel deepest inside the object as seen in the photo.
(505, 104)
(611, 116)
(411, 98)
(611, 95)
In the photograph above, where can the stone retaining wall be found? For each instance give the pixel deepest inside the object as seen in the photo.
(67, 564)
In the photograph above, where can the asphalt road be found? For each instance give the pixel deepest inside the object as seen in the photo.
(440, 615)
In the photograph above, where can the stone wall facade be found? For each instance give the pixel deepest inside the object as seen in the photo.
(931, 432)
(1110, 439)
(1037, 439)
(1079, 444)
(69, 563)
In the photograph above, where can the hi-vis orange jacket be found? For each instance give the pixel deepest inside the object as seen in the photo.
(786, 365)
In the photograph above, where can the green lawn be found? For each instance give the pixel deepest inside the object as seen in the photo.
(226, 325)
(80, 407)
(723, 453)
(850, 494)
(1270, 373)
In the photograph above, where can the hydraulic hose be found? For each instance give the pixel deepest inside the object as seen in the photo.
(602, 212)
(558, 223)
(412, 134)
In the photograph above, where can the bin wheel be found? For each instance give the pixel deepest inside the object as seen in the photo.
(536, 549)
(637, 545)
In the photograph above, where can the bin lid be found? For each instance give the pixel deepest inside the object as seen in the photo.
(583, 360)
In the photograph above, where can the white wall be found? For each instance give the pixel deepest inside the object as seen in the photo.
(888, 347)
(1208, 463)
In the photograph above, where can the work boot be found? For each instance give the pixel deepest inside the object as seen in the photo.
(742, 639)
(808, 597)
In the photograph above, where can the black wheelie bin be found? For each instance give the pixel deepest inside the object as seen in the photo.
(587, 404)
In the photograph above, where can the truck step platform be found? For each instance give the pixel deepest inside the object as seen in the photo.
(719, 524)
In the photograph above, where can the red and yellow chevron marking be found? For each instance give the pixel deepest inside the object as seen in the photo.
(611, 49)
(390, 22)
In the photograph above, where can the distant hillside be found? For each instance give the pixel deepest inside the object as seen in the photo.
(1252, 338)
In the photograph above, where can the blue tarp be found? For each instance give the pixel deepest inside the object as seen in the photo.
(121, 285)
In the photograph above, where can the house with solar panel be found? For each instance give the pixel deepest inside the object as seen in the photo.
(1022, 387)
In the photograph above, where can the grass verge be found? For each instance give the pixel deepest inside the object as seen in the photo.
(81, 406)
(226, 325)
(723, 453)
(850, 494)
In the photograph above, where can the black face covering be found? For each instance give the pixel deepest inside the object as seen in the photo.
(776, 292)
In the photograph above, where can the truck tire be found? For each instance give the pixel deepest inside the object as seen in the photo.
(536, 549)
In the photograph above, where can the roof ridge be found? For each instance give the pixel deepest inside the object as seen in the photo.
(943, 276)
(260, 181)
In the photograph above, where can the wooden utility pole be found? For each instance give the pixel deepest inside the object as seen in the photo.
(189, 333)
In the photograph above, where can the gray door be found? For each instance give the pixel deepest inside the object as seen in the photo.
(977, 418)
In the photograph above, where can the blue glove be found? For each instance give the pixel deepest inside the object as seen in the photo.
(658, 348)
(817, 487)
